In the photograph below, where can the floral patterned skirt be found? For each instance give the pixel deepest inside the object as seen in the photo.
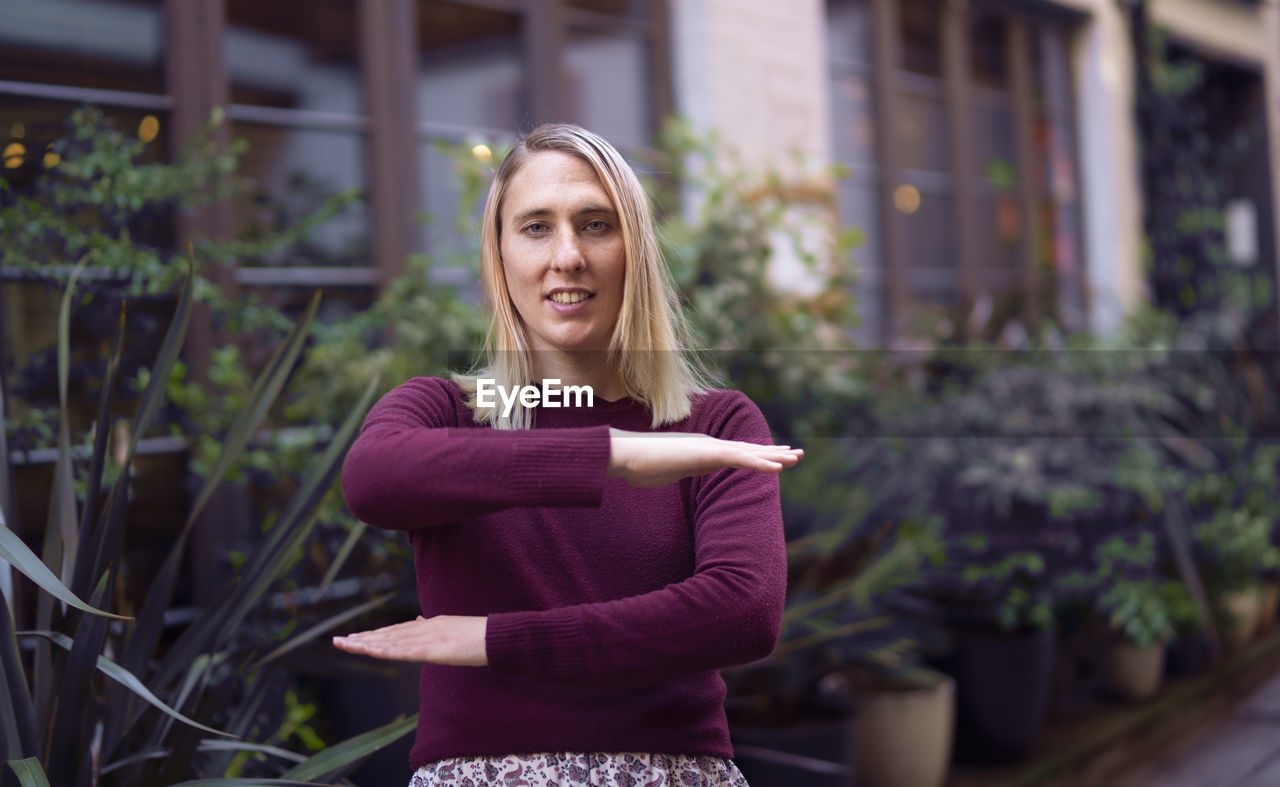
(571, 769)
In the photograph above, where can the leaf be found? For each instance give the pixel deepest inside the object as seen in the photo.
(22, 558)
(322, 627)
(62, 508)
(125, 678)
(273, 557)
(351, 750)
(17, 718)
(91, 560)
(6, 504)
(206, 746)
(157, 387)
(265, 389)
(340, 559)
(30, 774)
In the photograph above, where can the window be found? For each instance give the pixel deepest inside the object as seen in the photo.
(297, 98)
(352, 95)
(471, 88)
(957, 132)
(489, 70)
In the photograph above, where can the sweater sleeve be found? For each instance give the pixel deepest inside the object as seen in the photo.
(728, 612)
(412, 465)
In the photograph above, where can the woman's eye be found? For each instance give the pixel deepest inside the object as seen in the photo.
(536, 228)
(597, 226)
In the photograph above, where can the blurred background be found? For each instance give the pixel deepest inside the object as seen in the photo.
(900, 225)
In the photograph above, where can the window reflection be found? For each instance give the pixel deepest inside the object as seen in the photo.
(470, 72)
(279, 57)
(606, 86)
(295, 171)
(102, 44)
(848, 31)
(921, 37)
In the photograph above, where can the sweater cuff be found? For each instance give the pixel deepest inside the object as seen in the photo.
(565, 466)
(536, 644)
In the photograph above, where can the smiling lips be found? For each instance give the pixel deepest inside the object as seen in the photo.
(569, 297)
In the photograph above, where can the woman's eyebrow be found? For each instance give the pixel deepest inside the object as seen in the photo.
(541, 213)
(532, 213)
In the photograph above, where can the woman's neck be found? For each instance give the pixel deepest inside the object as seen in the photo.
(586, 368)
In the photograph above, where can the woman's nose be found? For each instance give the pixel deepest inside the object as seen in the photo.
(568, 253)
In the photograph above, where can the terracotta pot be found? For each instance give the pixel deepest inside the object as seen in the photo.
(1269, 603)
(1242, 611)
(902, 738)
(1133, 672)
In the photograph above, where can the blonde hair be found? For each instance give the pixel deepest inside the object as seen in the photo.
(647, 347)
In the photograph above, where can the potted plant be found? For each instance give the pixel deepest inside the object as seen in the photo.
(790, 723)
(1001, 646)
(153, 721)
(1142, 615)
(903, 716)
(1237, 549)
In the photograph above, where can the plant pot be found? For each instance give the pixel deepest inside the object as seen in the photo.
(1241, 610)
(1132, 671)
(1188, 654)
(1003, 684)
(902, 736)
(1268, 604)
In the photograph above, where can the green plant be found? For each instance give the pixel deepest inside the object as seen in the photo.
(152, 722)
(96, 196)
(1238, 546)
(788, 349)
(1147, 612)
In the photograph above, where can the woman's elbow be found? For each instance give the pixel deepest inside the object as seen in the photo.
(361, 489)
(758, 628)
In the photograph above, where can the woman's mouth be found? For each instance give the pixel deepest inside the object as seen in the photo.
(569, 298)
(569, 301)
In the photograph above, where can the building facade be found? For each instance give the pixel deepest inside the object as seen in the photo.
(991, 145)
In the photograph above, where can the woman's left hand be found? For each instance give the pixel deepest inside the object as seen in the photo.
(456, 640)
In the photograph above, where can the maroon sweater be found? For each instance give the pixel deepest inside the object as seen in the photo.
(610, 607)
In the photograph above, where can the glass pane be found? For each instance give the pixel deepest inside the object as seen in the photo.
(278, 57)
(859, 209)
(606, 86)
(853, 118)
(1060, 247)
(922, 133)
(931, 240)
(471, 70)
(995, 143)
(634, 9)
(848, 31)
(85, 43)
(295, 171)
(451, 230)
(997, 230)
(921, 37)
(987, 34)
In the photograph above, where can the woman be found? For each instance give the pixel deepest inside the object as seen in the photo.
(584, 569)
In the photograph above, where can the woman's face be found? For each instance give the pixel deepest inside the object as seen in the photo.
(562, 253)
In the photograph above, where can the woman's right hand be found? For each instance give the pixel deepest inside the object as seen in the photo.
(652, 459)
